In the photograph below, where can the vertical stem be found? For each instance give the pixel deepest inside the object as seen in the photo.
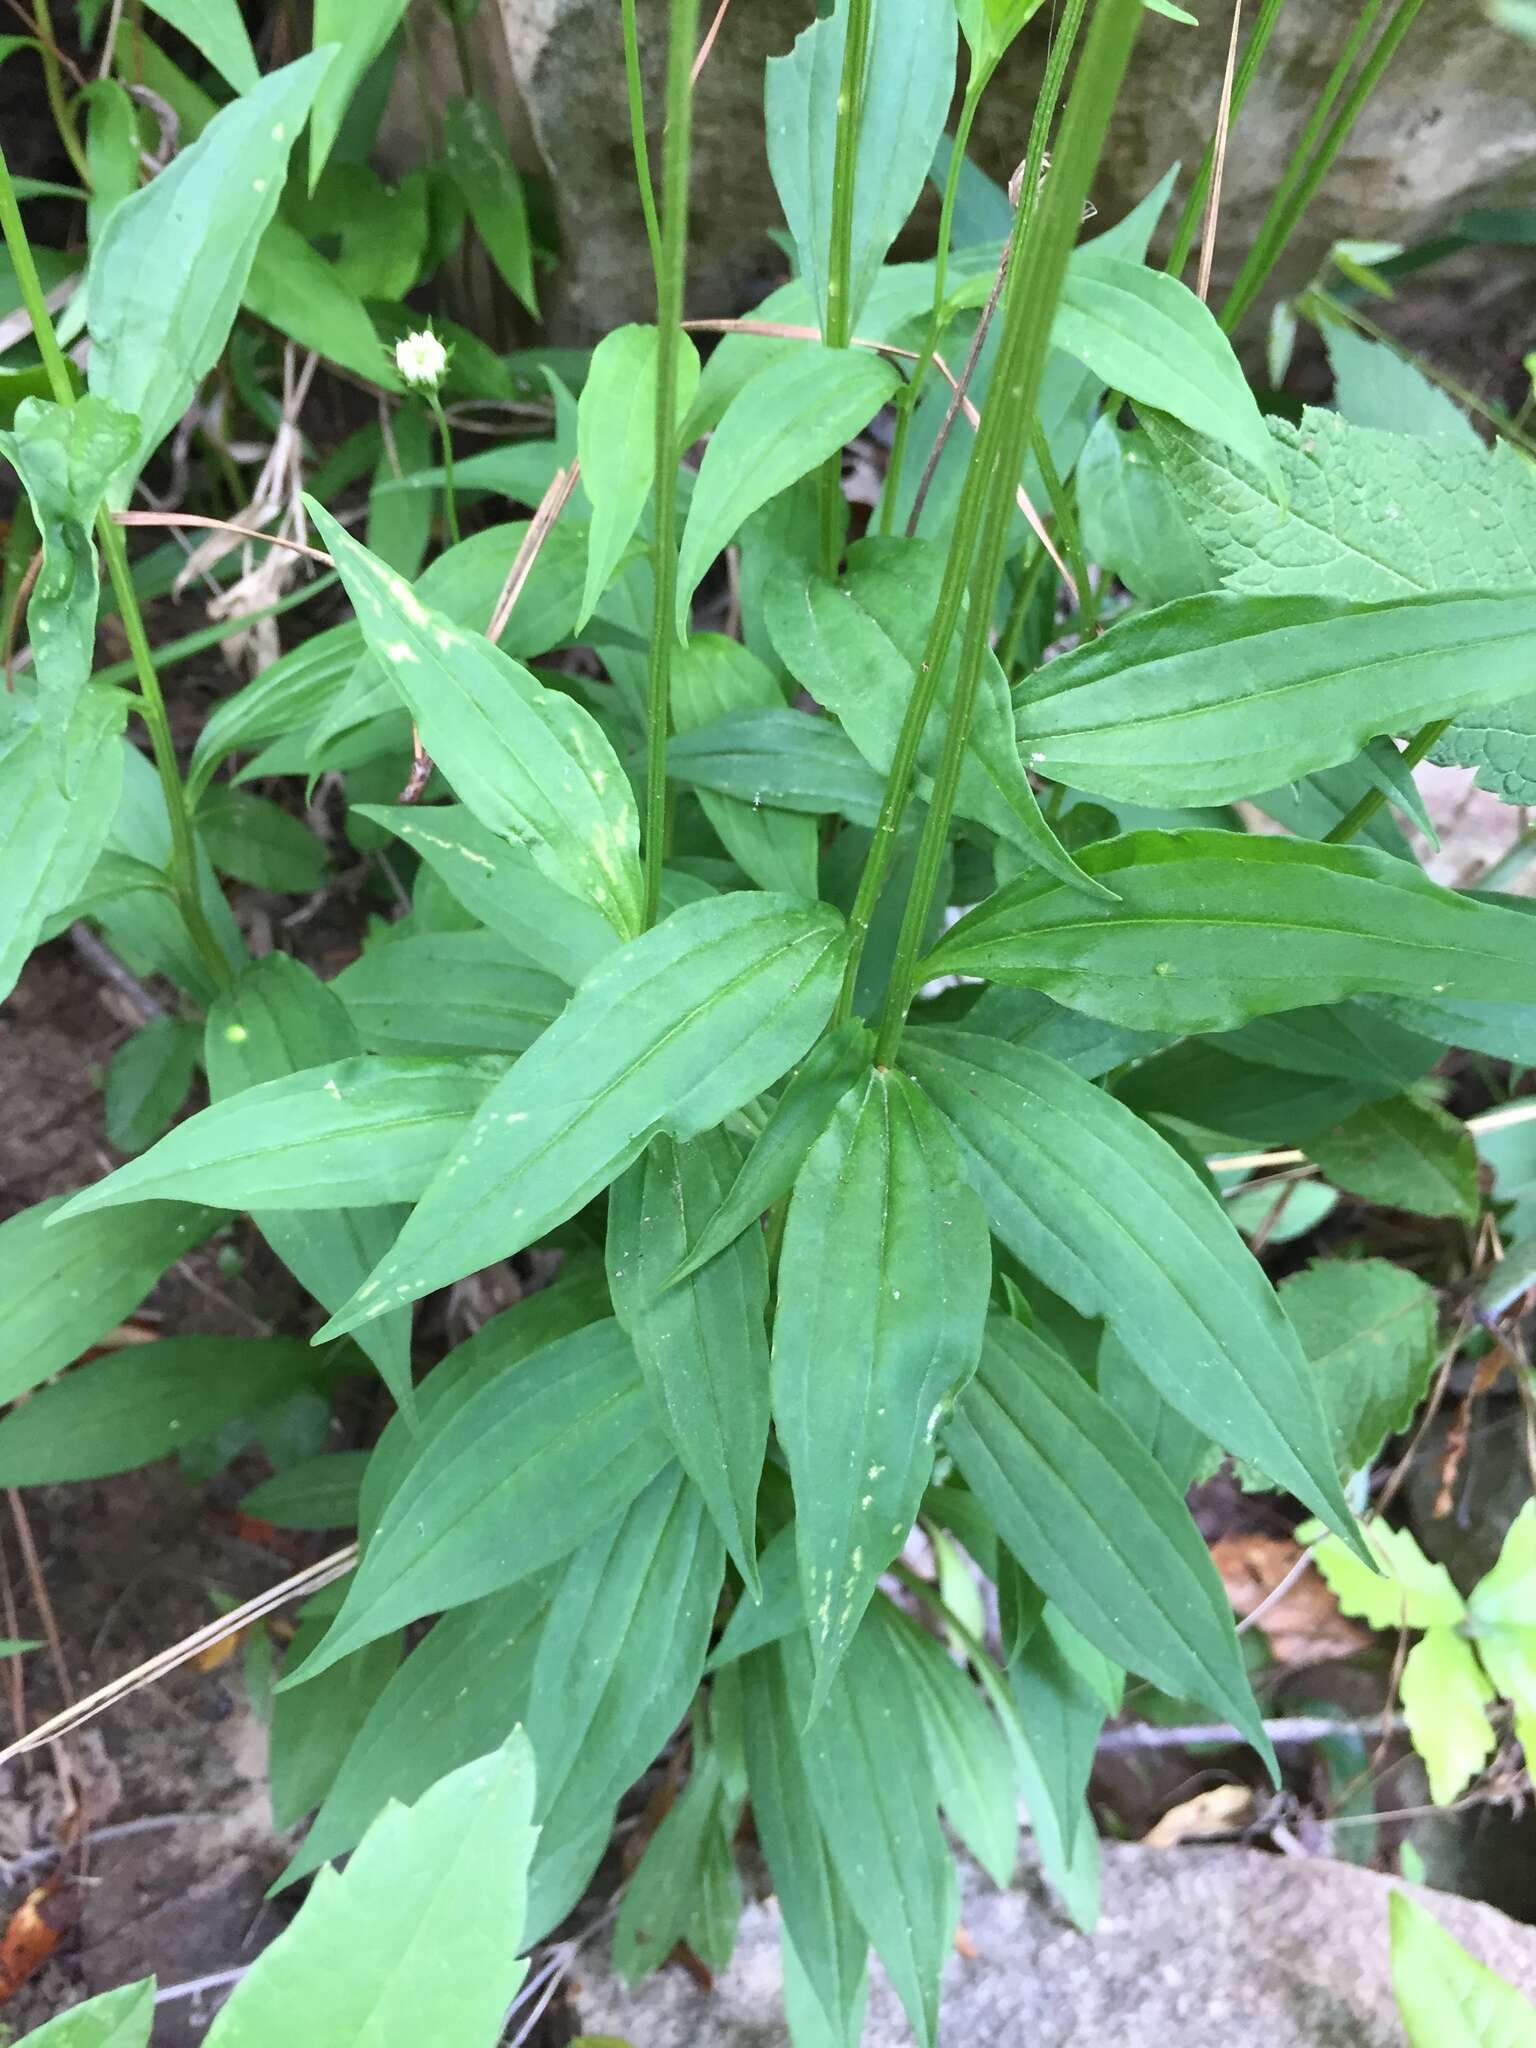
(53, 85)
(1037, 272)
(1247, 71)
(1065, 512)
(450, 502)
(637, 139)
(839, 320)
(962, 545)
(671, 273)
(31, 288)
(912, 391)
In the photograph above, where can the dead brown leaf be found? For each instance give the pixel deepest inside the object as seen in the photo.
(1217, 1811)
(1304, 1626)
(35, 1929)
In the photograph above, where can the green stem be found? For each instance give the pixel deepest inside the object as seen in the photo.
(839, 320)
(31, 288)
(1036, 276)
(671, 274)
(1302, 179)
(1513, 864)
(184, 875)
(1065, 514)
(1247, 71)
(1363, 812)
(638, 143)
(53, 85)
(962, 545)
(1018, 614)
(912, 391)
(450, 502)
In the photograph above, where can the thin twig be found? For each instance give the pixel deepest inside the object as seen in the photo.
(148, 1824)
(216, 1980)
(1522, 1112)
(18, 606)
(1219, 162)
(709, 40)
(1275, 1594)
(110, 968)
(958, 393)
(1294, 1729)
(63, 1762)
(114, 19)
(551, 505)
(275, 540)
(303, 1583)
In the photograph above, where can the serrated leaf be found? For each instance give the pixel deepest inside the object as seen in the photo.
(1145, 333)
(671, 1034)
(352, 1132)
(1215, 697)
(1097, 1525)
(441, 992)
(1505, 1597)
(865, 1756)
(904, 96)
(904, 1323)
(63, 1287)
(548, 1453)
(781, 758)
(114, 2019)
(529, 762)
(856, 645)
(429, 1915)
(711, 678)
(1212, 928)
(1404, 1591)
(1405, 1153)
(793, 416)
(1368, 1329)
(148, 1080)
(1447, 1998)
(502, 886)
(1445, 1694)
(166, 276)
(1375, 386)
(702, 1342)
(616, 441)
(145, 1402)
(1087, 1196)
(65, 457)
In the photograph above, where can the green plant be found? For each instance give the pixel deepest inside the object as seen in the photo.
(1446, 1997)
(872, 1217)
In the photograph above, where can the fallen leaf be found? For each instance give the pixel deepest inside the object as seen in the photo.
(35, 1930)
(964, 1946)
(1215, 1812)
(218, 1654)
(1304, 1626)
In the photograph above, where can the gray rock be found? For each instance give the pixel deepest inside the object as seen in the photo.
(1453, 126)
(1197, 1948)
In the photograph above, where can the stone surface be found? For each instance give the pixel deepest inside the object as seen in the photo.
(1197, 1948)
(1453, 126)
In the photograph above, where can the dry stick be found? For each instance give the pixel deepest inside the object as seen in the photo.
(274, 540)
(709, 41)
(978, 342)
(24, 591)
(14, 1675)
(1295, 1728)
(1218, 161)
(63, 1762)
(310, 1580)
(783, 330)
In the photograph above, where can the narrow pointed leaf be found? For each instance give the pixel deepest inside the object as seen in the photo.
(702, 1343)
(778, 757)
(49, 842)
(1097, 1525)
(510, 1482)
(432, 993)
(1216, 697)
(711, 678)
(788, 420)
(671, 1034)
(1112, 1219)
(529, 762)
(903, 1323)
(1212, 928)
(113, 2019)
(476, 157)
(216, 29)
(358, 34)
(616, 441)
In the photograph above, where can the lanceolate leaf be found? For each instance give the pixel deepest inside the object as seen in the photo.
(358, 34)
(616, 440)
(685, 1886)
(1212, 928)
(795, 1122)
(429, 1915)
(165, 278)
(778, 757)
(62, 1288)
(1059, 1720)
(671, 1034)
(475, 153)
(1219, 696)
(855, 645)
(909, 76)
(903, 1321)
(702, 1342)
(1146, 334)
(436, 992)
(217, 30)
(1097, 1525)
(711, 678)
(114, 2019)
(1089, 1197)
(279, 1020)
(510, 1482)
(529, 762)
(788, 420)
(65, 457)
(354, 1131)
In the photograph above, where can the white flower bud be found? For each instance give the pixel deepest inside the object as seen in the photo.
(421, 360)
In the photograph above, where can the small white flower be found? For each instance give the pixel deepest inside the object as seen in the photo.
(421, 360)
